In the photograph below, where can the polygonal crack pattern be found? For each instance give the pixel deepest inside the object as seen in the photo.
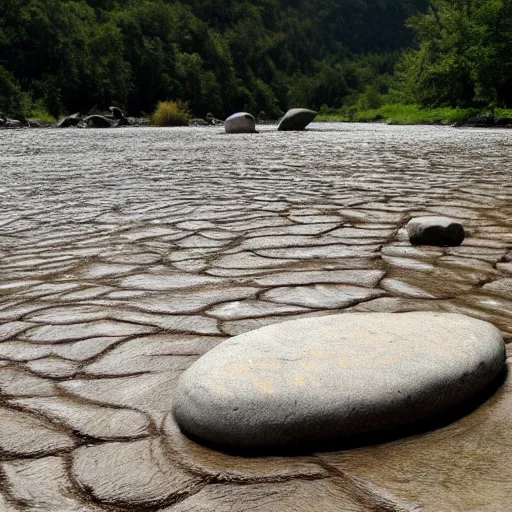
(125, 257)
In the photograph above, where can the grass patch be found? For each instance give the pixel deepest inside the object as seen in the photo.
(407, 114)
(413, 114)
(42, 115)
(171, 113)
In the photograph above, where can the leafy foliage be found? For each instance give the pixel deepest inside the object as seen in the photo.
(218, 56)
(464, 57)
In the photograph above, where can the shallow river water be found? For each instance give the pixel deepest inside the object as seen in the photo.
(126, 254)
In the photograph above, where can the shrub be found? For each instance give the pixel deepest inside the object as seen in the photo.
(171, 113)
(12, 99)
(38, 111)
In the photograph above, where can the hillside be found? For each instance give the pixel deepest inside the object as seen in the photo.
(219, 56)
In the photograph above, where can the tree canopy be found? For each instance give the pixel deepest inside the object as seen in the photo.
(464, 57)
(220, 56)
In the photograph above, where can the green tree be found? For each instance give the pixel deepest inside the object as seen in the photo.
(464, 58)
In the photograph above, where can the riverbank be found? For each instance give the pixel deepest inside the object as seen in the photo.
(414, 114)
(393, 114)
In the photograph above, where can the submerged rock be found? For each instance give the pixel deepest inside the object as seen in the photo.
(296, 119)
(241, 122)
(324, 379)
(97, 121)
(436, 230)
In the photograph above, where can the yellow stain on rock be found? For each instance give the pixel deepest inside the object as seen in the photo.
(269, 364)
(263, 386)
(321, 354)
(386, 361)
(329, 331)
(299, 381)
(463, 355)
(220, 390)
(239, 369)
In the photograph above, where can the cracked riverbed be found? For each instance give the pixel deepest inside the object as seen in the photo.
(127, 254)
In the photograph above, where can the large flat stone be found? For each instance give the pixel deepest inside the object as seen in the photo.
(328, 378)
(462, 467)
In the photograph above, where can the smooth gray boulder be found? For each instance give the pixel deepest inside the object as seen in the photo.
(325, 379)
(440, 231)
(296, 119)
(242, 122)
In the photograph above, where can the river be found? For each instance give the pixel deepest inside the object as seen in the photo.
(126, 254)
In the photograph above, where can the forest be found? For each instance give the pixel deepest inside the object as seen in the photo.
(223, 56)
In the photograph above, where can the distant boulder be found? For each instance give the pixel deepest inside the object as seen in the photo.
(119, 117)
(242, 122)
(13, 123)
(211, 120)
(117, 113)
(296, 119)
(97, 121)
(71, 120)
(197, 121)
(121, 122)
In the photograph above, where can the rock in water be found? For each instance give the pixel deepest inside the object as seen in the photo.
(296, 119)
(117, 113)
(121, 122)
(13, 123)
(441, 231)
(325, 379)
(98, 122)
(71, 120)
(240, 123)
(119, 117)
